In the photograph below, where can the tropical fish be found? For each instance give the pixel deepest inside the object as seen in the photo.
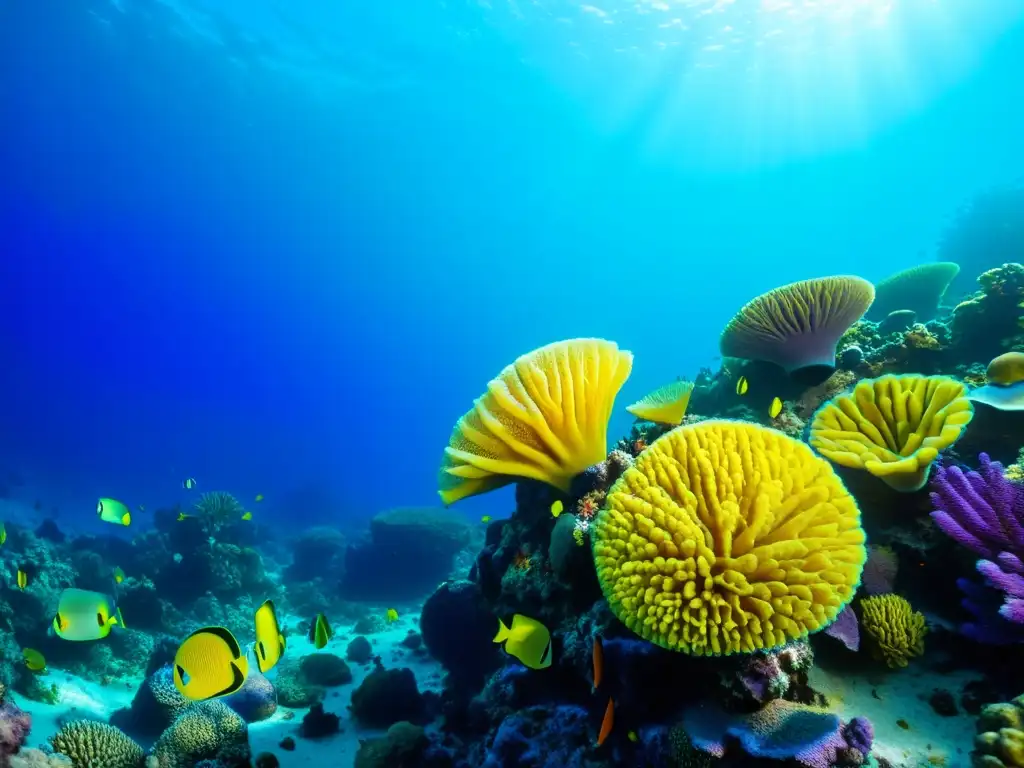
(484, 519)
(557, 507)
(598, 655)
(259, 497)
(3, 534)
(183, 516)
(22, 579)
(607, 723)
(247, 516)
(633, 737)
(775, 408)
(118, 575)
(189, 483)
(34, 660)
(528, 640)
(208, 664)
(83, 615)
(742, 385)
(113, 511)
(903, 724)
(320, 633)
(391, 616)
(269, 640)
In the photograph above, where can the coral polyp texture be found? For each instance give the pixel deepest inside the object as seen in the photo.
(97, 745)
(544, 417)
(727, 537)
(893, 427)
(894, 629)
(918, 289)
(665, 405)
(798, 325)
(1000, 739)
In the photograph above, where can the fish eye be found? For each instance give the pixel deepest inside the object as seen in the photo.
(99, 619)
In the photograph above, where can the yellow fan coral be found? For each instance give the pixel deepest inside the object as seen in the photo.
(665, 405)
(727, 537)
(798, 325)
(544, 417)
(894, 629)
(893, 426)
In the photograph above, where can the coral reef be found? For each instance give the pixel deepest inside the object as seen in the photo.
(14, 726)
(207, 730)
(387, 696)
(90, 744)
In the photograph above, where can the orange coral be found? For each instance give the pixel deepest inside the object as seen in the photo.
(522, 561)
(920, 337)
(589, 505)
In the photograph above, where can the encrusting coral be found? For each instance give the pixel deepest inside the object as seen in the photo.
(727, 537)
(895, 631)
(894, 426)
(544, 417)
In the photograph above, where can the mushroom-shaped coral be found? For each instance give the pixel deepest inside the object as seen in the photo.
(544, 417)
(1005, 387)
(895, 631)
(918, 289)
(97, 745)
(798, 325)
(665, 405)
(893, 426)
(727, 537)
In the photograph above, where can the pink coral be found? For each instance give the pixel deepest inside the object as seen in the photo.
(14, 726)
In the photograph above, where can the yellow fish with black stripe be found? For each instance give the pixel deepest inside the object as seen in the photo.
(113, 511)
(209, 664)
(22, 579)
(320, 633)
(269, 640)
(83, 615)
(527, 639)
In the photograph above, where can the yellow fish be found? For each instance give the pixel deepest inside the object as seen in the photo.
(3, 534)
(528, 640)
(557, 507)
(269, 640)
(633, 737)
(118, 575)
(113, 511)
(34, 659)
(742, 385)
(392, 616)
(259, 497)
(484, 519)
(83, 615)
(320, 633)
(183, 516)
(208, 664)
(22, 579)
(775, 408)
(189, 483)
(247, 516)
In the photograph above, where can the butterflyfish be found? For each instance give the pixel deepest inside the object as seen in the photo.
(320, 633)
(633, 737)
(247, 516)
(113, 511)
(209, 664)
(34, 660)
(527, 639)
(3, 534)
(189, 483)
(22, 579)
(183, 516)
(118, 575)
(483, 519)
(742, 385)
(392, 616)
(269, 640)
(598, 655)
(259, 497)
(607, 723)
(775, 408)
(83, 615)
(557, 507)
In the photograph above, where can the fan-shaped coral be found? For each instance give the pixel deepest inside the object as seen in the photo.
(91, 744)
(665, 405)
(726, 537)
(798, 325)
(895, 630)
(544, 417)
(918, 289)
(894, 426)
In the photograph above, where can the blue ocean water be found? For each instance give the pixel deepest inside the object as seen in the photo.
(279, 247)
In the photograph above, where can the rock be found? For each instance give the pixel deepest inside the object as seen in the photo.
(256, 700)
(267, 760)
(943, 703)
(387, 696)
(325, 669)
(469, 654)
(359, 650)
(412, 641)
(318, 724)
(287, 744)
(402, 746)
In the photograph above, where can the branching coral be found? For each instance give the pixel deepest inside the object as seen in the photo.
(894, 629)
(544, 417)
(727, 537)
(893, 426)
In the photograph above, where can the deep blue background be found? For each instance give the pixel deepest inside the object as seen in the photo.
(282, 250)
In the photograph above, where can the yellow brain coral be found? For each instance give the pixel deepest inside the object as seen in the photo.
(1000, 739)
(893, 426)
(1006, 369)
(665, 405)
(544, 417)
(92, 744)
(895, 631)
(727, 537)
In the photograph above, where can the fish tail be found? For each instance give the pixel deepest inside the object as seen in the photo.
(503, 632)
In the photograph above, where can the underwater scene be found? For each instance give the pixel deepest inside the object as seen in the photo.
(512, 384)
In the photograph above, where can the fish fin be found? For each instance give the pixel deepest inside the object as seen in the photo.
(503, 632)
(545, 658)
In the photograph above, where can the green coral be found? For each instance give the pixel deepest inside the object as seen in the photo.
(1000, 739)
(89, 744)
(208, 730)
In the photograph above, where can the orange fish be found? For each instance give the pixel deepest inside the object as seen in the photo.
(598, 662)
(607, 723)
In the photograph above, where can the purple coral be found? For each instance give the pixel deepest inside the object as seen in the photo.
(14, 726)
(845, 629)
(984, 511)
